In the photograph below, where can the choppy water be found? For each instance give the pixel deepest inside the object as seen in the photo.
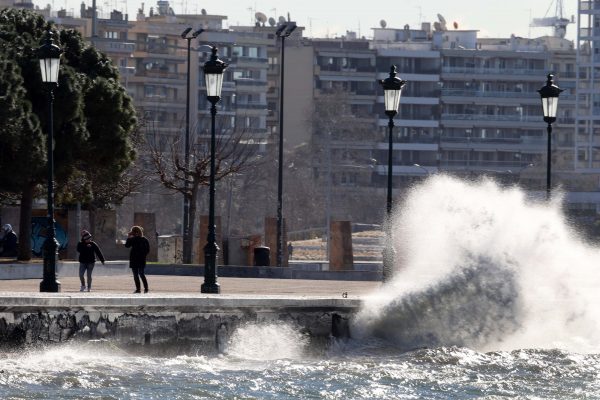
(494, 297)
(357, 371)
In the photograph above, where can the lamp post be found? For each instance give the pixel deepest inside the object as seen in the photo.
(549, 94)
(213, 75)
(283, 31)
(49, 56)
(187, 242)
(392, 88)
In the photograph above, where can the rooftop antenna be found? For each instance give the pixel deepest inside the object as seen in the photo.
(558, 21)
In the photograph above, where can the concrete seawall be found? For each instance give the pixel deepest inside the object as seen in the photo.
(207, 320)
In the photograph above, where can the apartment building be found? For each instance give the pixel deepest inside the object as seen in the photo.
(586, 138)
(470, 106)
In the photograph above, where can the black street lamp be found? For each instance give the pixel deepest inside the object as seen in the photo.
(284, 30)
(213, 75)
(187, 240)
(549, 94)
(392, 88)
(49, 55)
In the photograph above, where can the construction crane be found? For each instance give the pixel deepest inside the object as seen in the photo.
(558, 21)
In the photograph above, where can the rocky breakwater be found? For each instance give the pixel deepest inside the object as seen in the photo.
(141, 320)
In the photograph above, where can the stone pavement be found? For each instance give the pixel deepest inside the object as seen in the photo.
(190, 285)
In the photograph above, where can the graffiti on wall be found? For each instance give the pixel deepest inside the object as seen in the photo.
(38, 235)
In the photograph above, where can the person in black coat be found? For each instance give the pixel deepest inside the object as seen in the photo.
(8, 243)
(88, 250)
(140, 247)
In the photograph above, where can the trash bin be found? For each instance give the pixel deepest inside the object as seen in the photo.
(262, 256)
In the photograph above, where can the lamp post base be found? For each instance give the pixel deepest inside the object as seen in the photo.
(49, 286)
(213, 288)
(49, 282)
(211, 249)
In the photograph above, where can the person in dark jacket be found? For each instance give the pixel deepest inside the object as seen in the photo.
(88, 250)
(8, 243)
(140, 247)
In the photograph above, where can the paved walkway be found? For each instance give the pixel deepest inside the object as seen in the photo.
(123, 284)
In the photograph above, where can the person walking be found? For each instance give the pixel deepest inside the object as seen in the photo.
(140, 247)
(88, 250)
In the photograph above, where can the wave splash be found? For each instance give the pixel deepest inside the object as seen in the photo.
(484, 267)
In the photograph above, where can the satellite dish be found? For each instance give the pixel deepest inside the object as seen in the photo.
(382, 23)
(260, 17)
(281, 19)
(442, 21)
(455, 25)
(437, 26)
(272, 21)
(406, 27)
(203, 11)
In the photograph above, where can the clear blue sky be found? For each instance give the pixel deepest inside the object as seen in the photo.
(334, 17)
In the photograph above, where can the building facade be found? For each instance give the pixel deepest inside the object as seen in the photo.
(470, 107)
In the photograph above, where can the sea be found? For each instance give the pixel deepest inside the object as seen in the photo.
(494, 296)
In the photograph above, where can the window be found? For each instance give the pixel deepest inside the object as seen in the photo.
(238, 51)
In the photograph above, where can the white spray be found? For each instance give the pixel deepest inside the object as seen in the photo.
(484, 267)
(270, 341)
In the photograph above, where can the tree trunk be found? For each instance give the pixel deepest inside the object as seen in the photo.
(24, 251)
(187, 252)
(92, 219)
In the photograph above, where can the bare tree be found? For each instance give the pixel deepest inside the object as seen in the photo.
(234, 152)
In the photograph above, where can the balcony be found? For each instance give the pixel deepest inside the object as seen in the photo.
(494, 71)
(491, 117)
(159, 74)
(113, 46)
(510, 167)
(247, 59)
(250, 82)
(252, 105)
(481, 93)
(337, 68)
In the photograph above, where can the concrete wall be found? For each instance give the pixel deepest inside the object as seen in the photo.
(63, 269)
(162, 321)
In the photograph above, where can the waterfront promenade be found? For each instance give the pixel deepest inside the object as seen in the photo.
(190, 285)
